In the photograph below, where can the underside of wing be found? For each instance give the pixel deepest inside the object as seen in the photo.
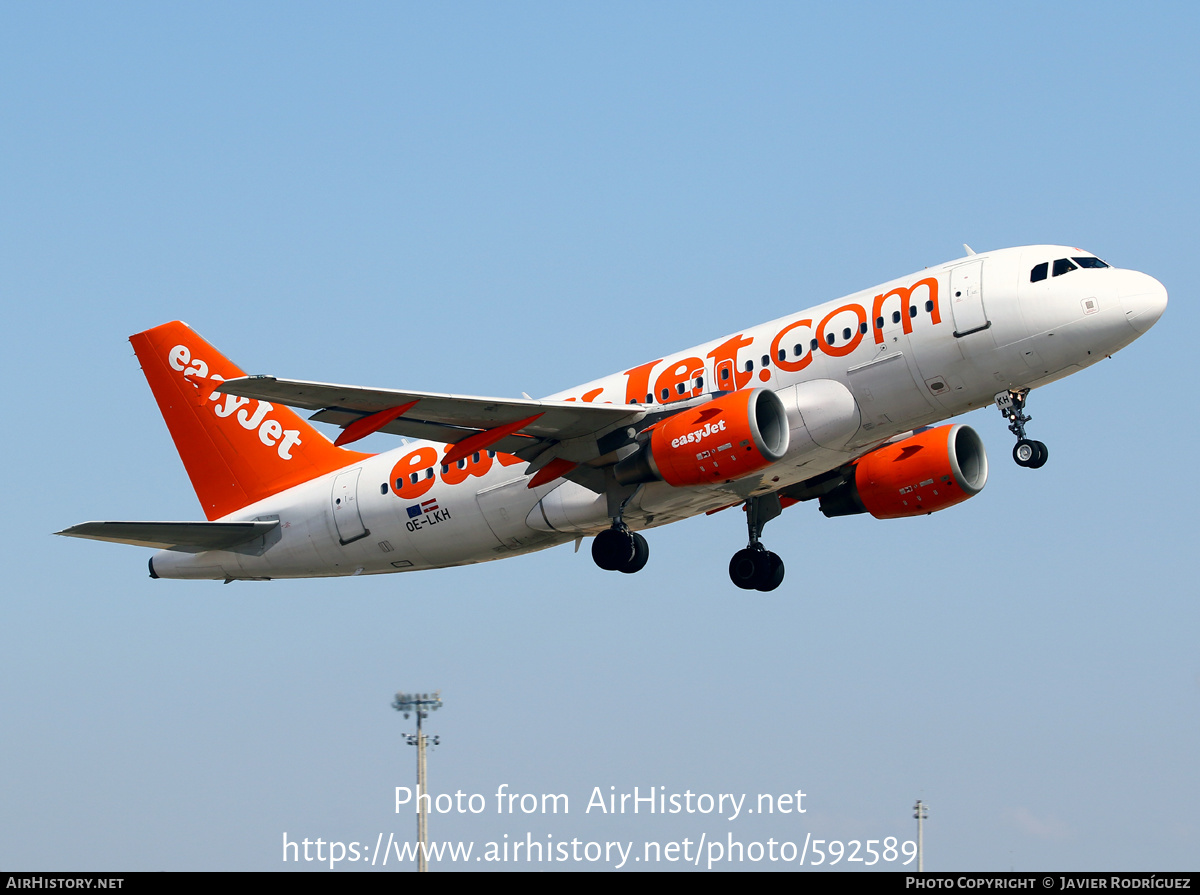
(193, 536)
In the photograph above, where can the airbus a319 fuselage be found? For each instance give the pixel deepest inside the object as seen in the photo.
(831, 403)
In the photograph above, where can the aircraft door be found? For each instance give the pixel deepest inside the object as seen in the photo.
(344, 504)
(724, 378)
(966, 299)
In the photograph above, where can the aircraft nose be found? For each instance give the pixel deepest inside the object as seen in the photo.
(1143, 299)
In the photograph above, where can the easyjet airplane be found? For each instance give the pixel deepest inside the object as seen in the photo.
(832, 404)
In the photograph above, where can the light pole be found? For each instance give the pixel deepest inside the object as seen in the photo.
(420, 704)
(920, 812)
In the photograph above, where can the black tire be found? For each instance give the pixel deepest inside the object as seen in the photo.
(770, 572)
(1043, 454)
(743, 568)
(641, 553)
(612, 549)
(1025, 453)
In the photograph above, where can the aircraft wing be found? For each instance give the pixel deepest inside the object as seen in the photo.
(172, 535)
(441, 417)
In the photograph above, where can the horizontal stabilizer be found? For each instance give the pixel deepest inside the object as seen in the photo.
(172, 535)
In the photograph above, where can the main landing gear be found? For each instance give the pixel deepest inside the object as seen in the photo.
(620, 550)
(1027, 453)
(756, 567)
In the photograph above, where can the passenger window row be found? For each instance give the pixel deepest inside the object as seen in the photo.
(797, 350)
(428, 473)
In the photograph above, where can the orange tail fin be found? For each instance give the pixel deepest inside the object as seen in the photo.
(236, 450)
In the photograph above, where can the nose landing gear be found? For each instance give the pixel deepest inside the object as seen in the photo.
(1028, 453)
(756, 567)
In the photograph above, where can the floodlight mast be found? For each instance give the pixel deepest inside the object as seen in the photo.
(420, 704)
(920, 812)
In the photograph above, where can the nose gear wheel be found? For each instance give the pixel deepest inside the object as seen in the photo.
(1030, 454)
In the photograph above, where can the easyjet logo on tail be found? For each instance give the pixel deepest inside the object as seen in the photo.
(236, 450)
(270, 431)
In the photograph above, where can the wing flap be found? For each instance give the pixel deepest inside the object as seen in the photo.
(172, 535)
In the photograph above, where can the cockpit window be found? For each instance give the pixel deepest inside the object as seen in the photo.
(1039, 272)
(1062, 266)
(1089, 262)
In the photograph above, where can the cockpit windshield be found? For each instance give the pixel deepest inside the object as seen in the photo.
(1062, 266)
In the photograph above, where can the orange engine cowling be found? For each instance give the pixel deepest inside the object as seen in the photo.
(718, 441)
(930, 471)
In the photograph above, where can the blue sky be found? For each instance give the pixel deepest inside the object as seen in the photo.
(493, 199)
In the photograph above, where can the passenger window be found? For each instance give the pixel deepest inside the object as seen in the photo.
(414, 478)
(895, 316)
(797, 349)
(862, 328)
(846, 334)
(783, 354)
(666, 393)
(929, 307)
(749, 366)
(815, 345)
(829, 338)
(1039, 272)
(912, 310)
(879, 323)
(766, 360)
(700, 382)
(1062, 266)
(724, 372)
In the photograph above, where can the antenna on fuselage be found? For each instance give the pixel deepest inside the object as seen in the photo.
(970, 251)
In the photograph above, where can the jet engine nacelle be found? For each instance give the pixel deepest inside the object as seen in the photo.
(719, 441)
(930, 471)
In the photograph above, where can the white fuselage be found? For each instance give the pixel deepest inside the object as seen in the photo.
(951, 338)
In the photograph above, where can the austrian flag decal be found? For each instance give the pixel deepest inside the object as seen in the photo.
(425, 506)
